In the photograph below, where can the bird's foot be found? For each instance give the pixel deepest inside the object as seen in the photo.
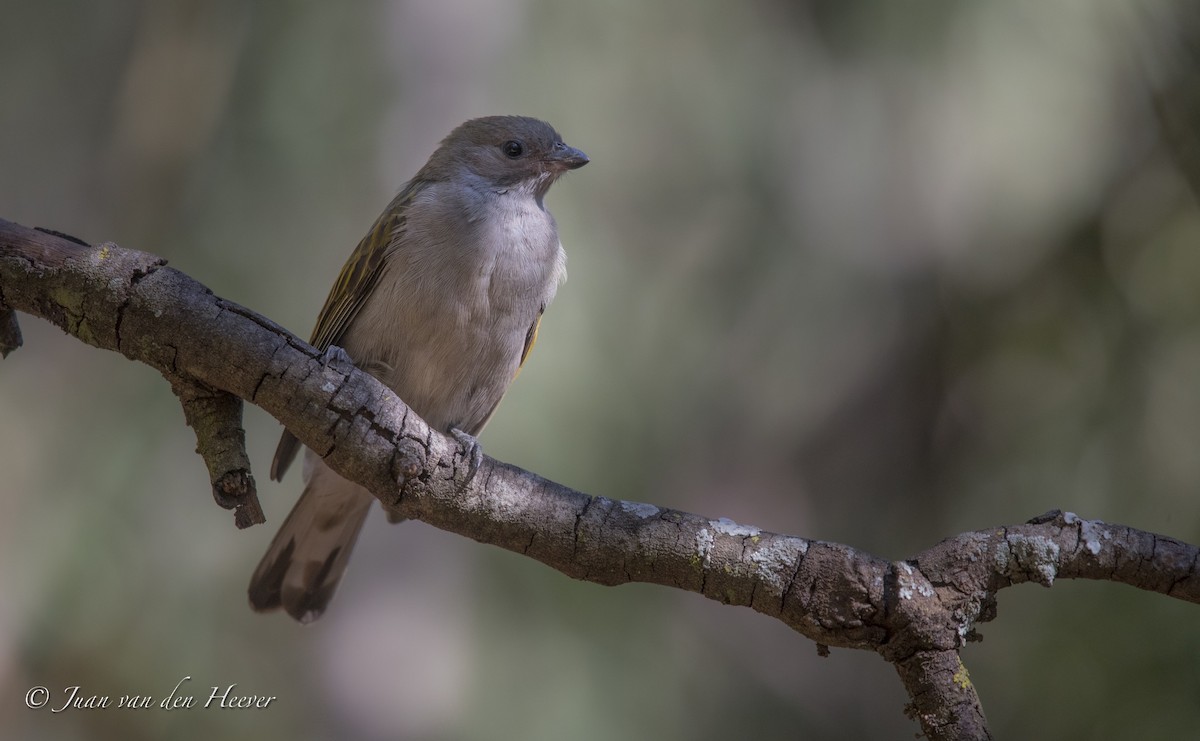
(475, 453)
(333, 353)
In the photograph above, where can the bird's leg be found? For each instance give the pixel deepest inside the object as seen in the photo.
(470, 443)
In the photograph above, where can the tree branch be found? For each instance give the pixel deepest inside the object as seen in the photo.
(216, 417)
(10, 331)
(916, 614)
(945, 709)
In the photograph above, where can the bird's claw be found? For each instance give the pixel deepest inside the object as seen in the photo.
(470, 443)
(333, 353)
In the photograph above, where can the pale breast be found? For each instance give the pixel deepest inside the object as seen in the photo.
(446, 324)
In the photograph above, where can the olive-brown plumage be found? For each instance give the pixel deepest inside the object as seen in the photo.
(440, 301)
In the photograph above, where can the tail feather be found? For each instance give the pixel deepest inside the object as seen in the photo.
(304, 563)
(284, 453)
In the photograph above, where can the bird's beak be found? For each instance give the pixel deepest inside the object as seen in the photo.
(568, 158)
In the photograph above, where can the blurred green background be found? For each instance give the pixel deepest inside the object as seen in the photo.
(855, 270)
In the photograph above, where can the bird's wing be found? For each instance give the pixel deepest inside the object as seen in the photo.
(350, 291)
(358, 277)
(530, 339)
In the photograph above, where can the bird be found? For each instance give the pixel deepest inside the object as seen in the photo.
(441, 301)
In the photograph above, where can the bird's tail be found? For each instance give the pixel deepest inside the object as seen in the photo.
(302, 567)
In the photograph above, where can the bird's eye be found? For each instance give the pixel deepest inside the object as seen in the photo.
(513, 149)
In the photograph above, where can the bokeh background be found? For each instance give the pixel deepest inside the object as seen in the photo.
(856, 270)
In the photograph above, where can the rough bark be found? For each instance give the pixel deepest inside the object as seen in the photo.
(916, 614)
